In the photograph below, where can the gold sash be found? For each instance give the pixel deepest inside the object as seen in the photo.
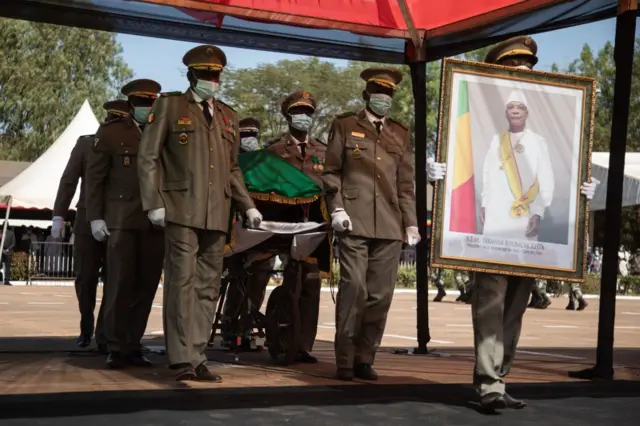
(508, 163)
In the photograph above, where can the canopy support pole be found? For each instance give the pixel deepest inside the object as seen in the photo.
(623, 57)
(419, 84)
(416, 54)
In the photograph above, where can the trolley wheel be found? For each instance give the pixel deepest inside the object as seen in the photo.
(283, 326)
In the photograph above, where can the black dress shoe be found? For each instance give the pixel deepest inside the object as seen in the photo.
(582, 305)
(306, 357)
(513, 403)
(493, 401)
(136, 358)
(116, 360)
(83, 341)
(184, 372)
(344, 374)
(102, 349)
(7, 283)
(440, 296)
(204, 375)
(365, 372)
(571, 307)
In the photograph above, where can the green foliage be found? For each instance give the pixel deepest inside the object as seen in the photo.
(20, 266)
(259, 92)
(601, 66)
(47, 72)
(406, 276)
(630, 284)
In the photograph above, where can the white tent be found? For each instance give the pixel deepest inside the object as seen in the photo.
(36, 187)
(631, 186)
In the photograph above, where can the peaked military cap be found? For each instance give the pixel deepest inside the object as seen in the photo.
(521, 46)
(117, 107)
(143, 88)
(298, 99)
(206, 57)
(383, 76)
(249, 124)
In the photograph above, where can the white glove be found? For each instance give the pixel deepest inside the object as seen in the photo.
(254, 218)
(413, 236)
(435, 171)
(57, 228)
(99, 229)
(588, 189)
(156, 216)
(340, 221)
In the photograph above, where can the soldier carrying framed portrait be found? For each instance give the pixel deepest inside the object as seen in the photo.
(517, 145)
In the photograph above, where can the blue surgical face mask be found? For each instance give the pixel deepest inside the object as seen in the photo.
(141, 114)
(380, 103)
(206, 89)
(249, 144)
(301, 122)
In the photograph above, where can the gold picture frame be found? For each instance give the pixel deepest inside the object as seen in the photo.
(517, 144)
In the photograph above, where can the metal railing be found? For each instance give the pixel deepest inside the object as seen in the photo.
(50, 261)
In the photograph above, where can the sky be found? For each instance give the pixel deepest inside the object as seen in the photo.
(142, 53)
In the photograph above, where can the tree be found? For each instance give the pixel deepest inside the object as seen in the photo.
(47, 72)
(601, 66)
(259, 92)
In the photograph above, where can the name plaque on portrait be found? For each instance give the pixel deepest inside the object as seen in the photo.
(517, 145)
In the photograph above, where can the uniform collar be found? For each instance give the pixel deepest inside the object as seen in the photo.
(198, 99)
(372, 118)
(297, 142)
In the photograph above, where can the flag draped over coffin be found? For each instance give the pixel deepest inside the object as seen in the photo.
(463, 201)
(283, 193)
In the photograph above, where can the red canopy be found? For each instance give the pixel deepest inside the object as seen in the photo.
(371, 17)
(364, 30)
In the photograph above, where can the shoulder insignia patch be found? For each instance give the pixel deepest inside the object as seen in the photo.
(165, 94)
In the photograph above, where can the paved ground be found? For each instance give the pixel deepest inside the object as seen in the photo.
(66, 386)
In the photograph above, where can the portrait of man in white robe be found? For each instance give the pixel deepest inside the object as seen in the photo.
(517, 178)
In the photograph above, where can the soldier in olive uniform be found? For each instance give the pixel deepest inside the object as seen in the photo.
(261, 270)
(499, 302)
(135, 249)
(307, 154)
(189, 173)
(369, 179)
(89, 254)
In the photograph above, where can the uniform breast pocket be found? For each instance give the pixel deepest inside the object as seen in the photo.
(181, 134)
(126, 159)
(395, 151)
(355, 148)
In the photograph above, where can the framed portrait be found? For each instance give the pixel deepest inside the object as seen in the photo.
(517, 145)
